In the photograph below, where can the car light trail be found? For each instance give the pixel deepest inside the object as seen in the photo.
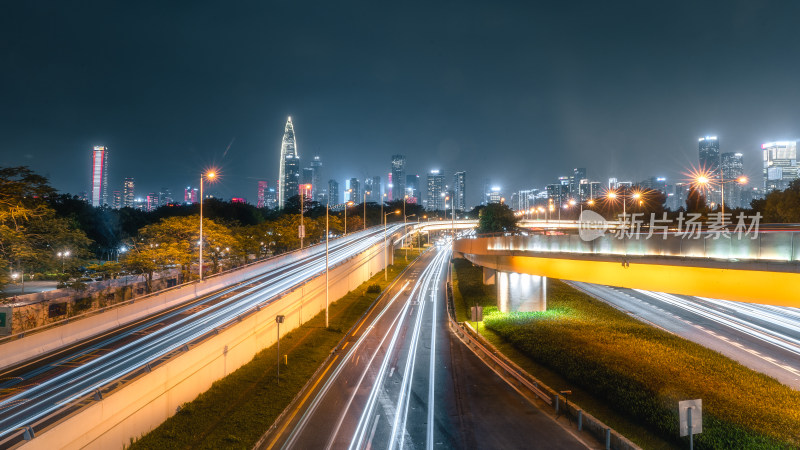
(60, 392)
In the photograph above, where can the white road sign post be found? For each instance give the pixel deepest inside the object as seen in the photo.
(690, 414)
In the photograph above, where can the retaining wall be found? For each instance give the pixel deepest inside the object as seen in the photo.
(144, 403)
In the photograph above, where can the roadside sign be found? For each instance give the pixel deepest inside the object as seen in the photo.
(691, 416)
(5, 320)
(477, 313)
(301, 231)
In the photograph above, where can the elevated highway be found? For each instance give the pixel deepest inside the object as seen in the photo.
(131, 377)
(763, 270)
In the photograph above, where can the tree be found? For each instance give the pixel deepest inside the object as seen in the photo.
(496, 217)
(31, 235)
(783, 206)
(696, 201)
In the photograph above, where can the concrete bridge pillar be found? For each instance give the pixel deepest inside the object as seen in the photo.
(488, 276)
(521, 292)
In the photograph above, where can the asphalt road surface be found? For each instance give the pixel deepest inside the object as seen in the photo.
(762, 337)
(400, 381)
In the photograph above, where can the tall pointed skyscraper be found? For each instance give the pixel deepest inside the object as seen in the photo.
(289, 176)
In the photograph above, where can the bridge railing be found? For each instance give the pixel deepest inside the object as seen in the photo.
(771, 246)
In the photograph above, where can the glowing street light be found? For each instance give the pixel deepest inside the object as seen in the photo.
(345, 216)
(62, 256)
(211, 176)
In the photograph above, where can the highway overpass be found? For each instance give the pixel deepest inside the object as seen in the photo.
(763, 270)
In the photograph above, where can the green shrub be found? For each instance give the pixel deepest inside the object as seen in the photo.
(373, 289)
(643, 372)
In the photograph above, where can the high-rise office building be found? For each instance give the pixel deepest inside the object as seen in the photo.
(780, 165)
(578, 174)
(354, 191)
(732, 167)
(436, 191)
(271, 198)
(116, 199)
(316, 175)
(460, 190)
(398, 179)
(333, 192)
(493, 194)
(261, 197)
(412, 189)
(99, 176)
(289, 173)
(191, 195)
(128, 194)
(709, 154)
(372, 187)
(151, 202)
(307, 176)
(164, 196)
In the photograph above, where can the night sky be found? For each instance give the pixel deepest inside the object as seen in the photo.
(514, 93)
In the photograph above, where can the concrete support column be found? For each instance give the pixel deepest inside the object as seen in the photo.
(488, 276)
(521, 292)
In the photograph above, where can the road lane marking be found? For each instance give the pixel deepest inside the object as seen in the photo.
(372, 433)
(296, 410)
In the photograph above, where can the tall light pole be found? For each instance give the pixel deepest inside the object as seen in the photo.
(412, 242)
(365, 208)
(211, 175)
(346, 204)
(327, 236)
(704, 181)
(63, 255)
(385, 257)
(302, 230)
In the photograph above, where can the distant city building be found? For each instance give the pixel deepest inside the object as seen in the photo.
(372, 187)
(525, 199)
(289, 173)
(116, 201)
(354, 191)
(709, 154)
(398, 177)
(578, 175)
(412, 188)
(151, 202)
(731, 168)
(316, 176)
(460, 190)
(596, 190)
(493, 195)
(99, 176)
(165, 197)
(333, 192)
(261, 196)
(780, 165)
(612, 183)
(239, 200)
(436, 191)
(128, 192)
(307, 176)
(305, 191)
(557, 194)
(271, 198)
(190, 195)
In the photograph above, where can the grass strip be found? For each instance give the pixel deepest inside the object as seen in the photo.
(640, 372)
(237, 409)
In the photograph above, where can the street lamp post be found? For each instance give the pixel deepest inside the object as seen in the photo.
(365, 208)
(302, 230)
(327, 236)
(63, 255)
(704, 181)
(210, 175)
(385, 256)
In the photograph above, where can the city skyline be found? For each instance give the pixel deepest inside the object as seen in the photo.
(549, 102)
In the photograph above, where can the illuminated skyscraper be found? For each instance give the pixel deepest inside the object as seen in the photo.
(780, 165)
(460, 190)
(262, 194)
(398, 179)
(732, 168)
(709, 154)
(316, 169)
(333, 192)
(116, 201)
(436, 191)
(99, 176)
(128, 194)
(289, 176)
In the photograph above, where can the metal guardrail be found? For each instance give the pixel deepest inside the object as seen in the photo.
(608, 437)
